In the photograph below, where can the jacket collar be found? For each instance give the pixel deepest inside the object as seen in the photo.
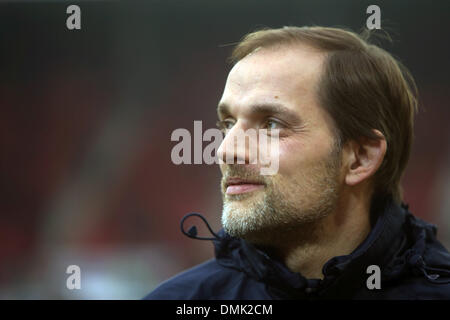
(378, 248)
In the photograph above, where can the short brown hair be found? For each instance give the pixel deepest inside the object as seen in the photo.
(362, 87)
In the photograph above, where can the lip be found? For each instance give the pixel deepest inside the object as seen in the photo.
(239, 186)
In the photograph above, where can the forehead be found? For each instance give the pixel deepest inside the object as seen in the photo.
(285, 75)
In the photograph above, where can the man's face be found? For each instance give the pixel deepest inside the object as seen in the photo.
(276, 89)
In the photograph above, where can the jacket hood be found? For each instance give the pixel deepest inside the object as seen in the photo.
(399, 243)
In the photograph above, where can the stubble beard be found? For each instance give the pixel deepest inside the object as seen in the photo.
(282, 211)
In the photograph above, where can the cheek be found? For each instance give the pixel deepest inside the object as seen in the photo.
(293, 157)
(298, 156)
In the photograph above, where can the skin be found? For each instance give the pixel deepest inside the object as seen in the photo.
(317, 205)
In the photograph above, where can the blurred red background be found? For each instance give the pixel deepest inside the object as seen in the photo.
(86, 119)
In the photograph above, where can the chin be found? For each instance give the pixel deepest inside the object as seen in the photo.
(245, 225)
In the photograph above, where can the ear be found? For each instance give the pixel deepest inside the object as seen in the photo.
(364, 157)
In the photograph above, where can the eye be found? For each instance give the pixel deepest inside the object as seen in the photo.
(271, 124)
(225, 125)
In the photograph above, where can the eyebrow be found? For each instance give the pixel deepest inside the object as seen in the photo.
(275, 109)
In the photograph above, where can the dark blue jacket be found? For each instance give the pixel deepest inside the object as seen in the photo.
(413, 265)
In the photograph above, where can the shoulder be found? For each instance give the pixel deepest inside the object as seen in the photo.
(208, 280)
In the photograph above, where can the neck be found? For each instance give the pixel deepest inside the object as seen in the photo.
(338, 234)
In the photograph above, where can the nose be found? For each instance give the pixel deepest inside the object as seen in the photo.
(239, 146)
